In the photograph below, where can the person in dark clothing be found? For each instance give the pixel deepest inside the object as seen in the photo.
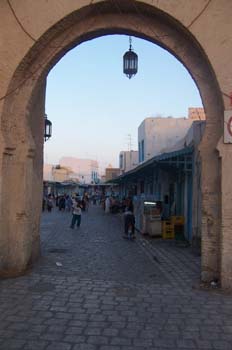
(62, 203)
(49, 203)
(129, 223)
(129, 204)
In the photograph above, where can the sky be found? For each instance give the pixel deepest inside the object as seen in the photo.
(93, 106)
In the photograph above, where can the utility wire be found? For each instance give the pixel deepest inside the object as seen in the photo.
(91, 3)
(199, 15)
(20, 23)
(40, 65)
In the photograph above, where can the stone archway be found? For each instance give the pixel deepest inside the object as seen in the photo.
(22, 124)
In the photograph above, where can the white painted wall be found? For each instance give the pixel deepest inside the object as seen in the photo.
(83, 168)
(161, 133)
(129, 160)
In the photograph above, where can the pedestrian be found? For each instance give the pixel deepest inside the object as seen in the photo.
(107, 205)
(129, 204)
(44, 203)
(76, 214)
(129, 223)
(62, 203)
(49, 203)
(68, 203)
(85, 201)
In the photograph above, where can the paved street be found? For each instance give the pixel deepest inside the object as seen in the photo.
(93, 290)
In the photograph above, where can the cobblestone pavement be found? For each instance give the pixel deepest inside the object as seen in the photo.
(93, 290)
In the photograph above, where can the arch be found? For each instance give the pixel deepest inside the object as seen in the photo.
(22, 123)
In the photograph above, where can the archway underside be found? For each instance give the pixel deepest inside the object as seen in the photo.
(22, 126)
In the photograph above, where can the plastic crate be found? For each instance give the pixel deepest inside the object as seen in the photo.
(167, 225)
(168, 235)
(177, 220)
(168, 230)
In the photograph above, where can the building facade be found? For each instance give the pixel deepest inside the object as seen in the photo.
(111, 173)
(174, 179)
(61, 173)
(127, 160)
(157, 134)
(86, 170)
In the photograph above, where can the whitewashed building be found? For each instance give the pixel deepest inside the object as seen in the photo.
(86, 170)
(128, 160)
(157, 134)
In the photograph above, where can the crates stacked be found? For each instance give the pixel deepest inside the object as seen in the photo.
(178, 225)
(168, 230)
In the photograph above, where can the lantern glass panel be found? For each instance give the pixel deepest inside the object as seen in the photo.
(47, 129)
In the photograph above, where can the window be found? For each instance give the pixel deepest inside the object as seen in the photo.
(140, 153)
(121, 161)
(142, 150)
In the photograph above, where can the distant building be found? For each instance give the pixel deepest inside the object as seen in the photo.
(103, 178)
(196, 113)
(87, 170)
(128, 160)
(111, 173)
(157, 134)
(61, 173)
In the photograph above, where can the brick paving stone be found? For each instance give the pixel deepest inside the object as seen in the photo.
(203, 344)
(98, 340)
(74, 330)
(189, 344)
(110, 347)
(92, 331)
(50, 336)
(75, 339)
(110, 293)
(59, 346)
(86, 347)
(142, 342)
(35, 345)
(12, 344)
(121, 341)
(111, 332)
(222, 345)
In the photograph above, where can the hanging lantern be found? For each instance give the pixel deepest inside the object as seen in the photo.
(130, 62)
(47, 128)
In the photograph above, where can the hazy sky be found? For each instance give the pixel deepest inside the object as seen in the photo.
(93, 106)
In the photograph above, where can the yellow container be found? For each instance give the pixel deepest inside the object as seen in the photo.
(177, 220)
(168, 230)
(167, 225)
(168, 235)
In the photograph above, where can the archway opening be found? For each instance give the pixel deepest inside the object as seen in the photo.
(97, 113)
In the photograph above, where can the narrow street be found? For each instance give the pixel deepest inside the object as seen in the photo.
(94, 290)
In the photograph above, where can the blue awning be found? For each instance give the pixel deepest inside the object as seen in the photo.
(169, 158)
(181, 152)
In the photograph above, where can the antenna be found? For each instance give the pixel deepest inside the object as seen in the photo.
(129, 138)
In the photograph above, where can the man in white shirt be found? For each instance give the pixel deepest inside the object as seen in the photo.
(76, 214)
